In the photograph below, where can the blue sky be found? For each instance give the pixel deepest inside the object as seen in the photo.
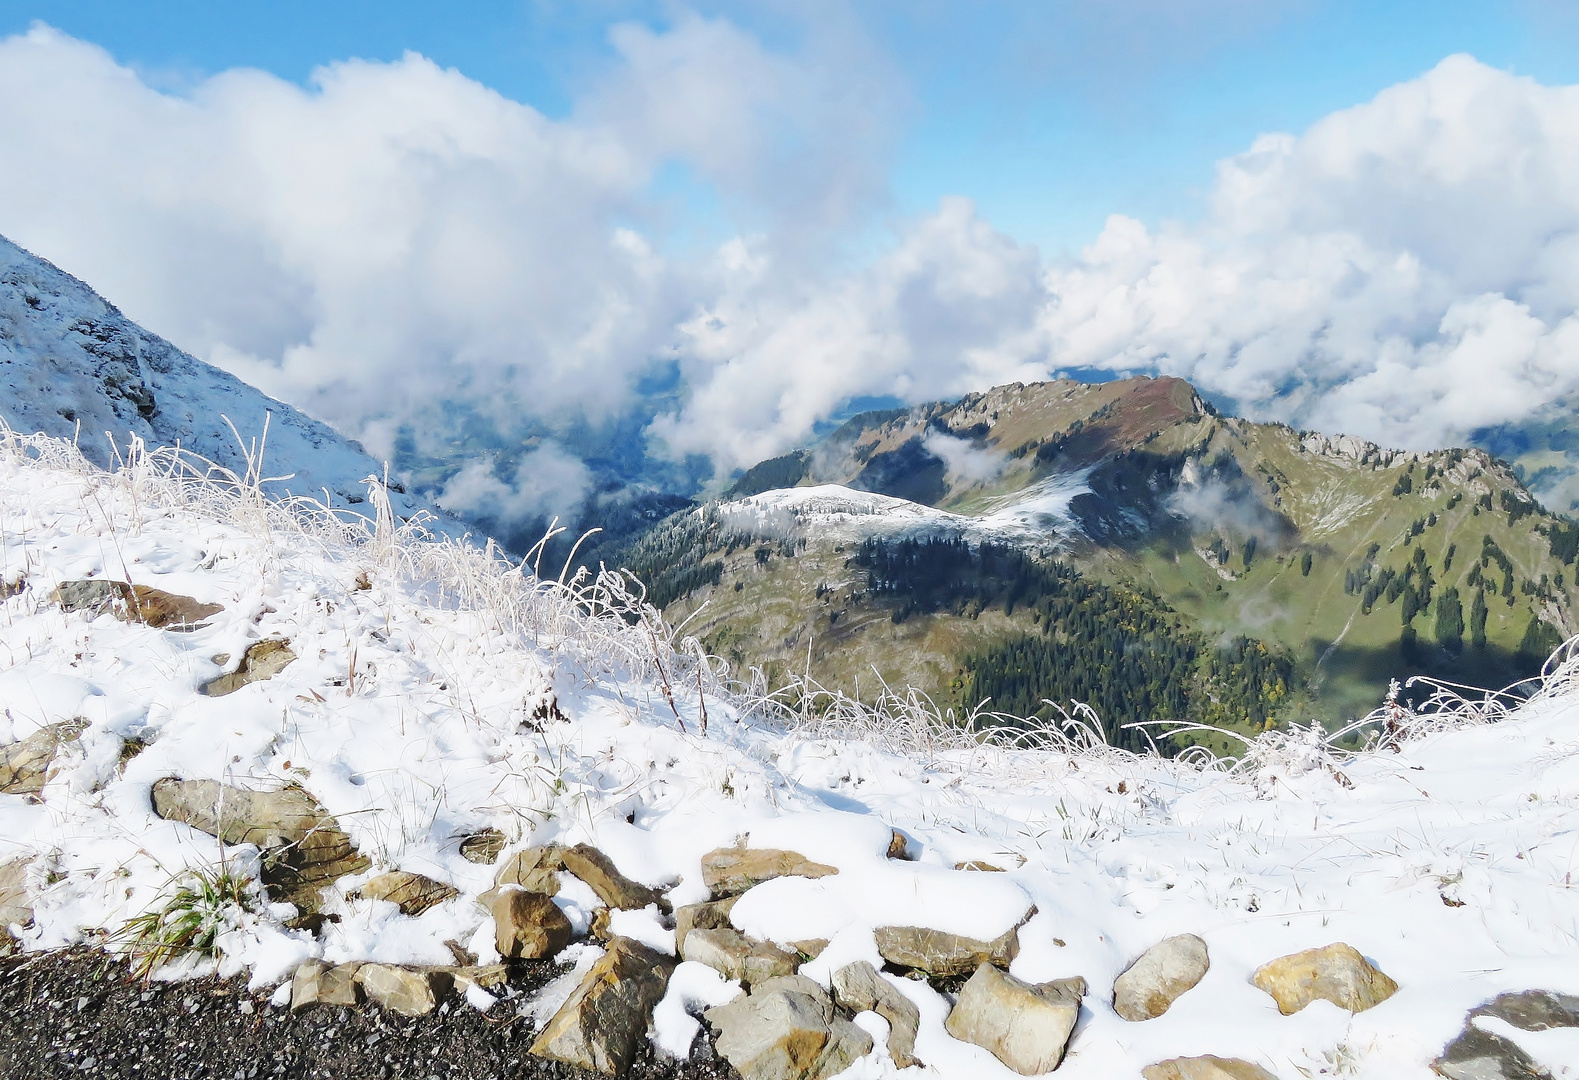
(1049, 115)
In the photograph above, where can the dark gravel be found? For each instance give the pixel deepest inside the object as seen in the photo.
(77, 1013)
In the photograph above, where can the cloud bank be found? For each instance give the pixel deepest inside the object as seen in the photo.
(395, 245)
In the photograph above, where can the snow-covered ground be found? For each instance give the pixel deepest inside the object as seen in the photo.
(1040, 513)
(410, 716)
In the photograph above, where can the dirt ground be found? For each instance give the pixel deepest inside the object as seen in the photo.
(78, 1013)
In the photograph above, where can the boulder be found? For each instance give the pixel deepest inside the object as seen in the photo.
(613, 888)
(1335, 973)
(1154, 982)
(318, 983)
(1477, 1054)
(529, 925)
(303, 846)
(710, 916)
(603, 1022)
(731, 871)
(407, 991)
(786, 1029)
(859, 988)
(735, 956)
(483, 847)
(940, 954)
(412, 893)
(15, 908)
(899, 846)
(24, 764)
(535, 868)
(1025, 1025)
(1205, 1068)
(134, 603)
(262, 660)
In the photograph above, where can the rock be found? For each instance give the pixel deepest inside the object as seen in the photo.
(8, 589)
(413, 893)
(15, 908)
(304, 848)
(171, 611)
(484, 976)
(134, 603)
(403, 990)
(483, 847)
(937, 953)
(318, 983)
(24, 764)
(602, 1024)
(1205, 1068)
(536, 869)
(859, 988)
(1025, 1025)
(1154, 982)
(1335, 973)
(710, 916)
(977, 864)
(1481, 1055)
(809, 948)
(262, 660)
(613, 888)
(735, 956)
(599, 926)
(529, 926)
(1476, 1054)
(731, 871)
(899, 846)
(786, 1029)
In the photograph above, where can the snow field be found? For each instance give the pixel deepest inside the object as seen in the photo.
(418, 711)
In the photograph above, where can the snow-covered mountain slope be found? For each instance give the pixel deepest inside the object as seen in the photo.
(70, 361)
(437, 693)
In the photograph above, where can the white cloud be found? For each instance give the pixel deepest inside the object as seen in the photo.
(1407, 270)
(546, 483)
(395, 238)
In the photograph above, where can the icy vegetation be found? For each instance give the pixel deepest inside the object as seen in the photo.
(435, 692)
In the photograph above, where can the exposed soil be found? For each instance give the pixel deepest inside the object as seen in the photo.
(77, 1013)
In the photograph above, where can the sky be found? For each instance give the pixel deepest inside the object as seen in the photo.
(1356, 216)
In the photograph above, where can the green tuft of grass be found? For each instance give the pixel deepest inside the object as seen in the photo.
(203, 905)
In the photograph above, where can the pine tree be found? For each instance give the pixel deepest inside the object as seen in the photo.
(1450, 621)
(1477, 619)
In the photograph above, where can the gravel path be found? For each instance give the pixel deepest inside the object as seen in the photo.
(76, 1013)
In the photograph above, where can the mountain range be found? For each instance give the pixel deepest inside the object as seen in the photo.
(1125, 545)
(73, 366)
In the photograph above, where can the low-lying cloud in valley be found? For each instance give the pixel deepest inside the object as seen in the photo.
(396, 240)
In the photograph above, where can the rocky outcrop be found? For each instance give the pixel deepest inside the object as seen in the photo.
(939, 954)
(735, 956)
(15, 907)
(529, 925)
(1154, 982)
(731, 871)
(859, 988)
(24, 764)
(412, 893)
(318, 983)
(1025, 1025)
(1335, 973)
(613, 888)
(602, 1023)
(786, 1029)
(710, 916)
(304, 848)
(1205, 1068)
(134, 603)
(262, 660)
(407, 991)
(1478, 1054)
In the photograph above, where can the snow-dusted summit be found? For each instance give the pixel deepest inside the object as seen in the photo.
(70, 362)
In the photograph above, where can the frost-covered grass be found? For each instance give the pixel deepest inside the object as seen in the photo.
(440, 690)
